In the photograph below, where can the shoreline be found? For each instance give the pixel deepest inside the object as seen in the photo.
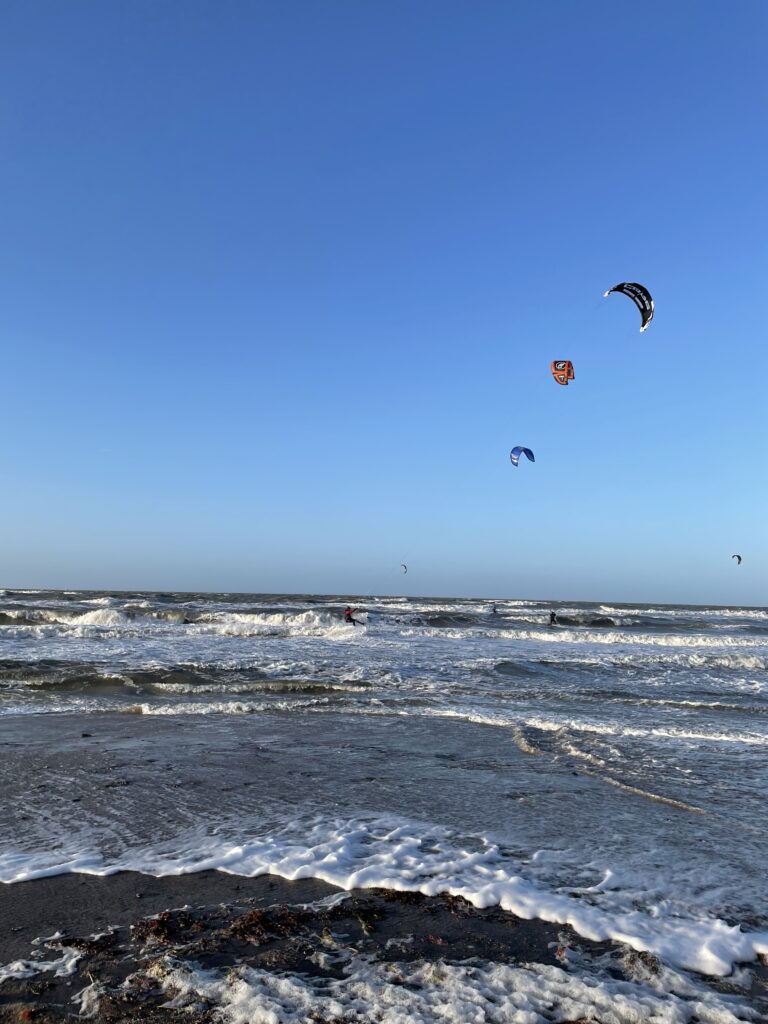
(96, 794)
(131, 947)
(160, 848)
(117, 938)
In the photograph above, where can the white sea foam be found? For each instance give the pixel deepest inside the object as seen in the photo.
(236, 707)
(101, 617)
(308, 623)
(673, 733)
(613, 638)
(259, 686)
(88, 1000)
(439, 993)
(62, 966)
(363, 854)
(688, 613)
(571, 725)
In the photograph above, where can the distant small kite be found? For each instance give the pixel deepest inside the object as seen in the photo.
(562, 370)
(517, 451)
(404, 567)
(639, 295)
(738, 557)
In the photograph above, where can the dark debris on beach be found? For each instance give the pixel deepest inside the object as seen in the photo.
(391, 926)
(128, 964)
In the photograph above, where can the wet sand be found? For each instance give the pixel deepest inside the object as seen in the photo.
(84, 904)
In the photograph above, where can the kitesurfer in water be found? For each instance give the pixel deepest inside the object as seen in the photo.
(552, 619)
(349, 617)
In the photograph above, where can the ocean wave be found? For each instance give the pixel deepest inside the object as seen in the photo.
(108, 617)
(101, 617)
(641, 660)
(679, 611)
(592, 663)
(13, 617)
(511, 669)
(564, 724)
(225, 707)
(731, 662)
(656, 732)
(619, 639)
(131, 619)
(310, 623)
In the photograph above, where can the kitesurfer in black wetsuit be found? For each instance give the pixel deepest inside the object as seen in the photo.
(348, 616)
(552, 619)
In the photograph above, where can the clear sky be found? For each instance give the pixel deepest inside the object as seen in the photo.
(281, 282)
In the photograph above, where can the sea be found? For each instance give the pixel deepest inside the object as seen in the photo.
(609, 773)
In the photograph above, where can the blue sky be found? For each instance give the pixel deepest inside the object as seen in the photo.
(280, 284)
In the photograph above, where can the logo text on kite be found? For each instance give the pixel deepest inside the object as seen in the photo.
(562, 370)
(639, 295)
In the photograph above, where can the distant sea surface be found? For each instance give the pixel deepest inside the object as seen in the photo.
(610, 772)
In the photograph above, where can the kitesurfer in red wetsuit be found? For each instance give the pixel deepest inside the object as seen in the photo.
(348, 617)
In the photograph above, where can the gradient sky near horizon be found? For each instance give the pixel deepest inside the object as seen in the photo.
(281, 282)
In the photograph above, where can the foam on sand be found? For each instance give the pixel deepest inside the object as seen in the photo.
(427, 993)
(359, 855)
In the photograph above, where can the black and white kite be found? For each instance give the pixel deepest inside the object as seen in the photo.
(639, 295)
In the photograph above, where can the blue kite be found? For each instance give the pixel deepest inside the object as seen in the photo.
(517, 451)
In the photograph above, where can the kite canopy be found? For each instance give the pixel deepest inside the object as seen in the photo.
(517, 451)
(738, 557)
(639, 295)
(562, 370)
(404, 567)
